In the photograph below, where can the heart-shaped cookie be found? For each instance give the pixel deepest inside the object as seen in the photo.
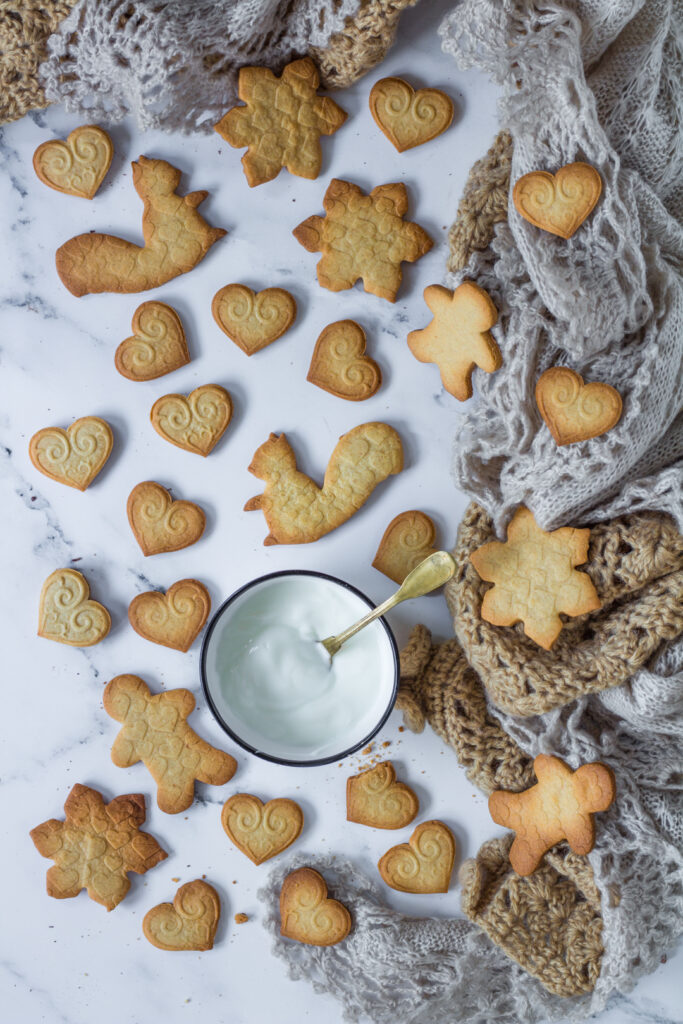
(259, 830)
(196, 422)
(253, 319)
(409, 118)
(157, 346)
(339, 364)
(306, 912)
(190, 922)
(423, 864)
(173, 619)
(161, 524)
(408, 539)
(73, 456)
(77, 166)
(560, 202)
(67, 615)
(575, 411)
(376, 799)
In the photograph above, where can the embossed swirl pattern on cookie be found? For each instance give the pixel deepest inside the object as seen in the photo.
(259, 830)
(558, 203)
(409, 118)
(253, 319)
(423, 864)
(77, 166)
(339, 364)
(408, 540)
(196, 422)
(67, 615)
(173, 619)
(161, 524)
(307, 914)
(575, 411)
(157, 346)
(74, 456)
(376, 799)
(190, 922)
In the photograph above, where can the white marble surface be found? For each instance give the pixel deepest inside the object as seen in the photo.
(69, 960)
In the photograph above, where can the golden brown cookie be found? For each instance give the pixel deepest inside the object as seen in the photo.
(161, 524)
(407, 117)
(363, 237)
(196, 422)
(408, 540)
(190, 922)
(339, 363)
(96, 846)
(157, 346)
(423, 864)
(575, 411)
(458, 338)
(297, 511)
(535, 578)
(73, 456)
(558, 203)
(282, 121)
(174, 619)
(155, 731)
(253, 319)
(176, 239)
(259, 830)
(67, 615)
(559, 806)
(78, 166)
(376, 799)
(307, 914)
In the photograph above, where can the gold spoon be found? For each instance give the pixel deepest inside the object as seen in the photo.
(431, 573)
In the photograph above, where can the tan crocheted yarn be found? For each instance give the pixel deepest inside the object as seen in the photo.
(363, 43)
(484, 202)
(24, 28)
(636, 564)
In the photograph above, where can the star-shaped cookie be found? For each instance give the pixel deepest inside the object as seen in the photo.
(535, 578)
(282, 121)
(363, 236)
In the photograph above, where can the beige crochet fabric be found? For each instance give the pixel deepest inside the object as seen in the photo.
(24, 28)
(636, 564)
(363, 43)
(483, 204)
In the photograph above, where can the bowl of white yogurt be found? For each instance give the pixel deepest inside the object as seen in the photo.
(272, 686)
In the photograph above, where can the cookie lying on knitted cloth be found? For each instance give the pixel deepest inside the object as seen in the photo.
(560, 806)
(78, 166)
(636, 565)
(376, 799)
(96, 846)
(259, 830)
(155, 731)
(297, 511)
(161, 524)
(282, 121)
(253, 319)
(174, 619)
(157, 346)
(574, 411)
(196, 422)
(339, 364)
(408, 117)
(66, 612)
(363, 237)
(422, 865)
(190, 922)
(306, 912)
(176, 239)
(558, 203)
(534, 578)
(408, 540)
(73, 456)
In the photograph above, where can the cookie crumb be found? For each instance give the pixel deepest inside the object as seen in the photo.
(241, 918)
(175, 879)
(401, 728)
(387, 743)
(368, 749)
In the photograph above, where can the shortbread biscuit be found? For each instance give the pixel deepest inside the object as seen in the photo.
(174, 619)
(190, 922)
(307, 914)
(96, 846)
(376, 799)
(176, 239)
(66, 613)
(339, 363)
(408, 117)
(458, 338)
(575, 411)
(259, 830)
(408, 540)
(196, 422)
(73, 456)
(559, 806)
(423, 864)
(535, 578)
(282, 121)
(155, 731)
(78, 166)
(297, 511)
(363, 237)
(157, 346)
(253, 319)
(558, 203)
(161, 524)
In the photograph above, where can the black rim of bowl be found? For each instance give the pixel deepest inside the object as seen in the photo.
(238, 739)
